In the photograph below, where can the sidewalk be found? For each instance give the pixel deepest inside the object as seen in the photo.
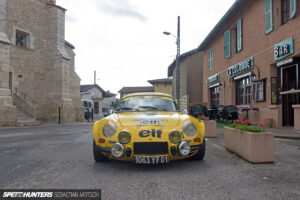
(285, 133)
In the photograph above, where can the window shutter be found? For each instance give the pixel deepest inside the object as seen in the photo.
(293, 8)
(210, 59)
(239, 35)
(227, 44)
(268, 16)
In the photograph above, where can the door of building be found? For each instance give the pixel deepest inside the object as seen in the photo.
(10, 82)
(289, 82)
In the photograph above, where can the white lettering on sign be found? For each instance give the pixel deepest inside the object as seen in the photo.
(281, 50)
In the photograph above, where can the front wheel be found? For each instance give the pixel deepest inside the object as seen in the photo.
(98, 156)
(201, 153)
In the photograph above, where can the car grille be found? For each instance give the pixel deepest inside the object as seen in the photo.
(150, 148)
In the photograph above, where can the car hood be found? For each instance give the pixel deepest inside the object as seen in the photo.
(165, 119)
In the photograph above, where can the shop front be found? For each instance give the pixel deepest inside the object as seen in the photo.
(289, 72)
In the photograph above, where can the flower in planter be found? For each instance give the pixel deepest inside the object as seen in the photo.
(246, 122)
(202, 117)
(247, 126)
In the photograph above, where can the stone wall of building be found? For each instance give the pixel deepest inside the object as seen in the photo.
(43, 69)
(7, 110)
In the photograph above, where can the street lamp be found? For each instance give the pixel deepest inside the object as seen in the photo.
(177, 92)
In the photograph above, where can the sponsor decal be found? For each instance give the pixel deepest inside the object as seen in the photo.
(149, 121)
(153, 133)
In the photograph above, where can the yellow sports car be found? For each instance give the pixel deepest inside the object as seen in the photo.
(146, 128)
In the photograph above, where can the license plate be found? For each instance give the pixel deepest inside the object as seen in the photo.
(151, 160)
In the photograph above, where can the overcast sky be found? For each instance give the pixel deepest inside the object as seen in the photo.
(123, 41)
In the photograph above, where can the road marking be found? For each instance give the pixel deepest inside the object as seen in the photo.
(217, 146)
(15, 134)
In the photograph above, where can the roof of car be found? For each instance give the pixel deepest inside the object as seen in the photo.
(147, 94)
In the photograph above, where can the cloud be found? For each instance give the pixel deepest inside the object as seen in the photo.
(120, 8)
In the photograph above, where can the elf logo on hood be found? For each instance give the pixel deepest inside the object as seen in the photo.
(153, 133)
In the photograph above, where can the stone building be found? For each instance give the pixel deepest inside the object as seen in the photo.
(191, 76)
(102, 100)
(254, 52)
(163, 85)
(37, 64)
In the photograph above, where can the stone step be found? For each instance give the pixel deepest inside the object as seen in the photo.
(23, 119)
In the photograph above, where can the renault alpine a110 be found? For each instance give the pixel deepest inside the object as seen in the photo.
(146, 128)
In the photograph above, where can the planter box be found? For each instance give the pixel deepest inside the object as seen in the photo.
(254, 147)
(210, 128)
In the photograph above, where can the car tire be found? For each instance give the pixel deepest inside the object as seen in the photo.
(98, 156)
(201, 153)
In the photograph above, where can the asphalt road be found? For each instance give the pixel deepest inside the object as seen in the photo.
(60, 157)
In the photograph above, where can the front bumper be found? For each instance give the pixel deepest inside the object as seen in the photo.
(129, 154)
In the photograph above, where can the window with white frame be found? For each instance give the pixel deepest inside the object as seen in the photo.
(215, 96)
(259, 90)
(243, 91)
(23, 38)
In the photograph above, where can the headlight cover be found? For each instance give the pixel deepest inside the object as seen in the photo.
(117, 150)
(184, 148)
(124, 137)
(109, 129)
(189, 128)
(175, 137)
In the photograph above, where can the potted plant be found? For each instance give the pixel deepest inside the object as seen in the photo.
(250, 141)
(210, 126)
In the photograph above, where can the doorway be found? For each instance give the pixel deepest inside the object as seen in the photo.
(10, 79)
(289, 82)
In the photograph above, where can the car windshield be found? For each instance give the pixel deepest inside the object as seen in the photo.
(146, 103)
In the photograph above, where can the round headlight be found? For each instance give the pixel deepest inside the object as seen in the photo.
(184, 148)
(189, 128)
(124, 137)
(175, 137)
(117, 150)
(109, 129)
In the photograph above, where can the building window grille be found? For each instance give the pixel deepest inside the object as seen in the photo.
(244, 91)
(215, 96)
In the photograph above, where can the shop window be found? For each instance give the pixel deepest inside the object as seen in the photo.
(210, 59)
(239, 35)
(227, 44)
(259, 90)
(275, 90)
(243, 91)
(215, 96)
